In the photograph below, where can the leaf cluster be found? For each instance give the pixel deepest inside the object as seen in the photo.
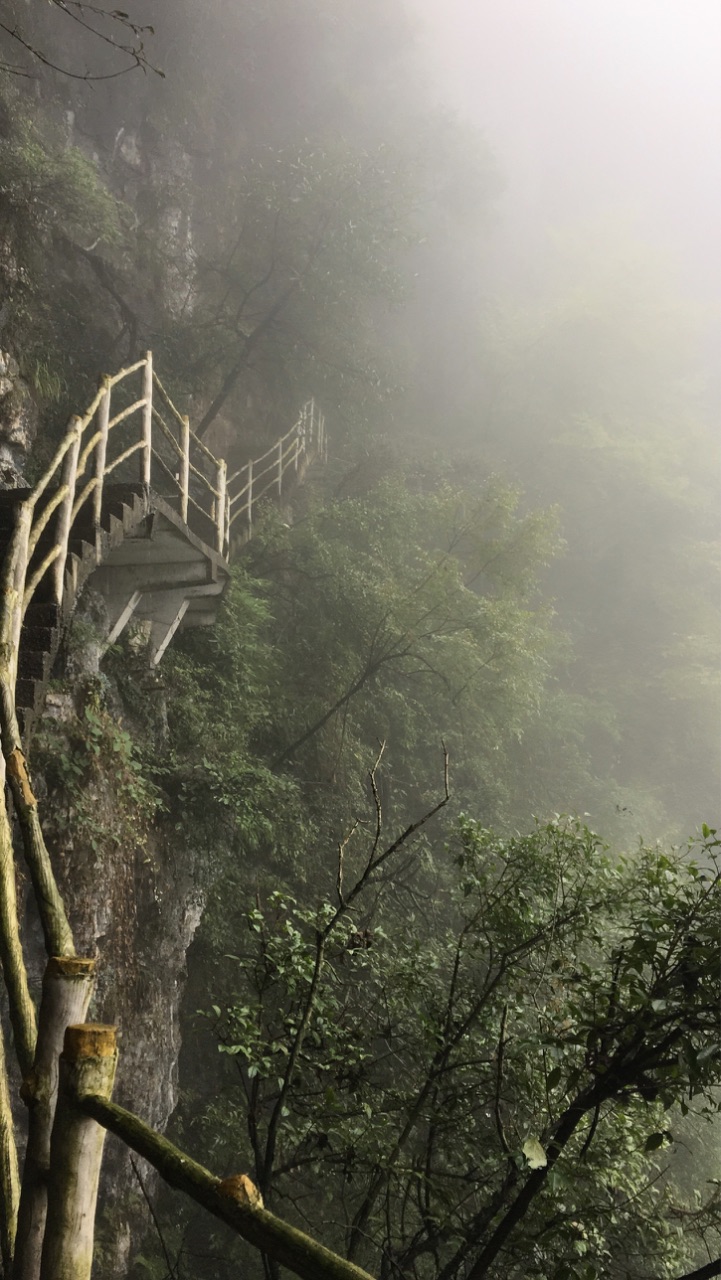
(555, 994)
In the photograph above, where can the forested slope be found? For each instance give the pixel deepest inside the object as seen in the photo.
(510, 556)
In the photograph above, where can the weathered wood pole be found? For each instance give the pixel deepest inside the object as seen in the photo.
(87, 1069)
(9, 1176)
(101, 450)
(22, 1010)
(250, 495)
(51, 908)
(234, 1200)
(65, 514)
(221, 481)
(67, 987)
(185, 469)
(146, 454)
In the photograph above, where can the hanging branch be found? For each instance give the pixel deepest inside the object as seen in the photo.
(82, 12)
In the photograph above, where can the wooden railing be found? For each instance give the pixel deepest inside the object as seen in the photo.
(306, 438)
(171, 459)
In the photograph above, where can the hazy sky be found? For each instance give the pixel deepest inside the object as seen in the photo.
(594, 106)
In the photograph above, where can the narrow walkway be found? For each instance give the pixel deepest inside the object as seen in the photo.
(133, 499)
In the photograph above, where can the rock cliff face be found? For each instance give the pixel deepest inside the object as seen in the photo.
(18, 422)
(130, 882)
(131, 887)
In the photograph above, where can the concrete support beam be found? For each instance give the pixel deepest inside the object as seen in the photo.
(119, 616)
(164, 628)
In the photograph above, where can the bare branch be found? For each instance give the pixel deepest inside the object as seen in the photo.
(499, 1081)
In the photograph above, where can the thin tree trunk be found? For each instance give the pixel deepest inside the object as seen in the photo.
(87, 1067)
(67, 987)
(704, 1273)
(249, 344)
(534, 1182)
(369, 671)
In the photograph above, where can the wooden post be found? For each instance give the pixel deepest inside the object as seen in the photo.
(235, 1200)
(185, 470)
(51, 908)
(220, 510)
(17, 564)
(280, 467)
(21, 1008)
(146, 454)
(312, 423)
(67, 987)
(65, 514)
(101, 450)
(249, 498)
(9, 1176)
(87, 1068)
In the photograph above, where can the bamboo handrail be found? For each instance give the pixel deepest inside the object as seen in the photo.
(134, 448)
(167, 433)
(124, 373)
(220, 499)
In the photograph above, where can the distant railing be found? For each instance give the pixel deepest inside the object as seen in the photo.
(306, 438)
(171, 459)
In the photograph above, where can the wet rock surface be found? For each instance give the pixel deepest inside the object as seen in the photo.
(18, 422)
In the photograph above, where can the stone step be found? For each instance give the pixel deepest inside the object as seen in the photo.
(41, 614)
(37, 639)
(34, 664)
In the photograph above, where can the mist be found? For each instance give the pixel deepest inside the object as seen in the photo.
(403, 867)
(610, 109)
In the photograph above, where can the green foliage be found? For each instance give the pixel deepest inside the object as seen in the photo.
(98, 789)
(220, 710)
(549, 993)
(409, 616)
(53, 198)
(46, 188)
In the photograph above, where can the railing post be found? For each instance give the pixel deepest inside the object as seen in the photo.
(185, 470)
(65, 514)
(280, 466)
(249, 498)
(222, 499)
(101, 450)
(312, 424)
(147, 419)
(86, 1067)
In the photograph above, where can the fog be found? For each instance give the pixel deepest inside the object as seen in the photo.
(480, 238)
(592, 108)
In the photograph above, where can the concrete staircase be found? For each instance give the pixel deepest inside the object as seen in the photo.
(156, 550)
